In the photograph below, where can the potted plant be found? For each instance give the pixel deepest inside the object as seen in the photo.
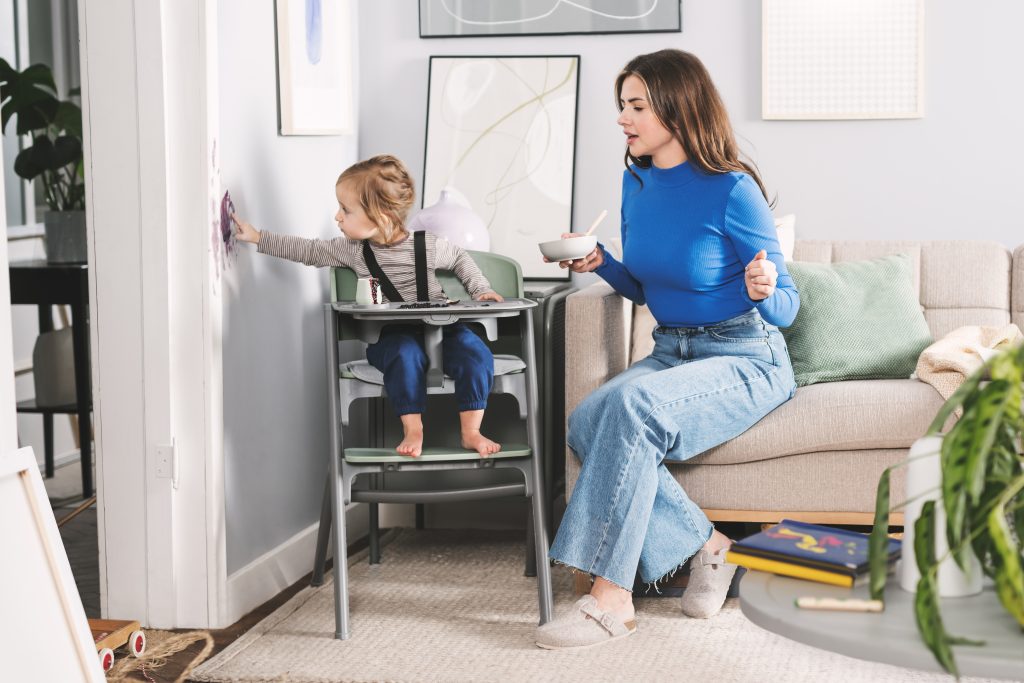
(982, 494)
(55, 155)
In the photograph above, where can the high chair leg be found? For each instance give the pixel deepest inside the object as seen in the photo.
(323, 535)
(337, 503)
(374, 535)
(531, 550)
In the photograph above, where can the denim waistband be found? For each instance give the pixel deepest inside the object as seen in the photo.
(751, 317)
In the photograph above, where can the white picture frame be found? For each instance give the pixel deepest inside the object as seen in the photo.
(44, 625)
(842, 59)
(314, 67)
(502, 131)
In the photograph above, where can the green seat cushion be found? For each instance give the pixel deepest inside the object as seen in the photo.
(857, 320)
(372, 455)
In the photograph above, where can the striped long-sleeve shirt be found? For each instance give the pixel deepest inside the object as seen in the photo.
(396, 260)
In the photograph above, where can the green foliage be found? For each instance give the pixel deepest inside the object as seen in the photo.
(55, 126)
(982, 495)
(926, 599)
(878, 541)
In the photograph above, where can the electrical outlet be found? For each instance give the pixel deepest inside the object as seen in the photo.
(165, 461)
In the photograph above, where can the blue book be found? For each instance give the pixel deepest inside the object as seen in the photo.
(814, 546)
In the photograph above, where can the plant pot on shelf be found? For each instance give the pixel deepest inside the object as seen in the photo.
(924, 474)
(65, 237)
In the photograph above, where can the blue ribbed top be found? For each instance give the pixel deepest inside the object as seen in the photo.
(687, 237)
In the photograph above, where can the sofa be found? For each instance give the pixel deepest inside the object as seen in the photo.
(817, 457)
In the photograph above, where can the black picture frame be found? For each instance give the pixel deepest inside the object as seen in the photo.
(432, 4)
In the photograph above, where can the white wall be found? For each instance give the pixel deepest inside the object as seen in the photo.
(275, 415)
(951, 175)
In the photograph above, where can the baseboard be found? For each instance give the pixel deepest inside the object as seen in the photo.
(61, 459)
(276, 569)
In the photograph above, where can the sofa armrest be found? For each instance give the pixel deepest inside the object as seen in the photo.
(1017, 288)
(597, 339)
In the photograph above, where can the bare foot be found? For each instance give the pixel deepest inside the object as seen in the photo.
(476, 441)
(412, 442)
(611, 598)
(717, 541)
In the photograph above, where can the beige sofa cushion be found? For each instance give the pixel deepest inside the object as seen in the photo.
(1017, 297)
(836, 481)
(835, 416)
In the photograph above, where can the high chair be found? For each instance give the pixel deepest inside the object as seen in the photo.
(350, 381)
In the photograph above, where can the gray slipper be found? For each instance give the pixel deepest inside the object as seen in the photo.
(710, 577)
(585, 626)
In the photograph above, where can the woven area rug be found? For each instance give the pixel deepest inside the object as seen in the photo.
(455, 606)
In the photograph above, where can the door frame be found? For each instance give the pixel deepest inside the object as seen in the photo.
(150, 115)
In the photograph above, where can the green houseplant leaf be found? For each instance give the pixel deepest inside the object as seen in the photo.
(1009, 574)
(55, 155)
(878, 540)
(982, 493)
(926, 601)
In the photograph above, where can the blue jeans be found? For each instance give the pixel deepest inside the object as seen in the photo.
(700, 387)
(400, 356)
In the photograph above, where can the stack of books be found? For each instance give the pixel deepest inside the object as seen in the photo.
(809, 551)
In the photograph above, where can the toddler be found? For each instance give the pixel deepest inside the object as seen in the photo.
(374, 198)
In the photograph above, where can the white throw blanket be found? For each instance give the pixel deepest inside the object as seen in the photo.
(949, 361)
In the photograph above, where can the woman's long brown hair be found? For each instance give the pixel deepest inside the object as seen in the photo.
(686, 101)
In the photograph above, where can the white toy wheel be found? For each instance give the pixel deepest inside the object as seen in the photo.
(137, 643)
(106, 656)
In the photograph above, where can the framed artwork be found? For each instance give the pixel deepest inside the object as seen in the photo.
(502, 131)
(842, 59)
(314, 67)
(455, 18)
(44, 626)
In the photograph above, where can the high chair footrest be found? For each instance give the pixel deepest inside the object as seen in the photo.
(439, 496)
(372, 455)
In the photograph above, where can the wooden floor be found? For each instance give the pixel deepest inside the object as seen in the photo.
(80, 542)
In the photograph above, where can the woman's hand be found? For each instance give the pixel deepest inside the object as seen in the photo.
(760, 277)
(245, 232)
(591, 261)
(490, 296)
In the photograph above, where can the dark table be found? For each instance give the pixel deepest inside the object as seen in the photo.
(45, 284)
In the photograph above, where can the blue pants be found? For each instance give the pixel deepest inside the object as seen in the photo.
(700, 387)
(399, 354)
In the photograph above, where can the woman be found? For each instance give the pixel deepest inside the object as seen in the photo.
(700, 249)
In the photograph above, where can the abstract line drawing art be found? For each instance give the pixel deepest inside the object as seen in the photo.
(314, 71)
(502, 130)
(842, 59)
(453, 18)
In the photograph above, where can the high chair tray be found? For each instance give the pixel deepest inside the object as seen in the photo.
(462, 308)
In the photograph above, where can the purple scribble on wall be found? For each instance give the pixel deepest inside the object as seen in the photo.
(227, 207)
(314, 30)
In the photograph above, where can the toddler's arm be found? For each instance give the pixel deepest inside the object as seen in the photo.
(452, 257)
(320, 253)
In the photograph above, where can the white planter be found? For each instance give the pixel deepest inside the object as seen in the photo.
(924, 475)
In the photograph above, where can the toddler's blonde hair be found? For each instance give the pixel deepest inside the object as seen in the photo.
(386, 192)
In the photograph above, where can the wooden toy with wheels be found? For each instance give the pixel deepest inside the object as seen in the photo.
(111, 634)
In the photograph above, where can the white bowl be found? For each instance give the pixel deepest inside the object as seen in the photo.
(569, 248)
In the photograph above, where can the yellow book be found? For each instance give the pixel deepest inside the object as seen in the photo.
(787, 569)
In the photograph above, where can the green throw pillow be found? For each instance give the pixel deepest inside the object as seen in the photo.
(857, 320)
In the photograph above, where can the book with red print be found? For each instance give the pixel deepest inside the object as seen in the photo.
(813, 546)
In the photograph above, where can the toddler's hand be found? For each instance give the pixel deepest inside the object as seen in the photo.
(245, 232)
(490, 296)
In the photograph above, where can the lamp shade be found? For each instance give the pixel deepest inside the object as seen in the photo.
(452, 218)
